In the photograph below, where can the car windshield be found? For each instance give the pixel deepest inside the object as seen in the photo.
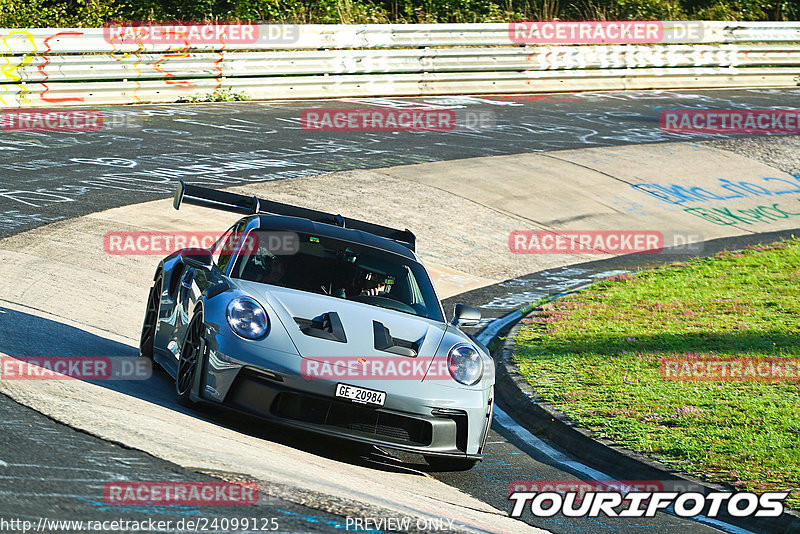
(340, 269)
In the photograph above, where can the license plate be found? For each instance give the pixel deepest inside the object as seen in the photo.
(361, 395)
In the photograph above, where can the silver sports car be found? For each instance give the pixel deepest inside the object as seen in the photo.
(323, 323)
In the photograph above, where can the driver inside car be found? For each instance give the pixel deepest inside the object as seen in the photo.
(367, 288)
(375, 285)
(375, 290)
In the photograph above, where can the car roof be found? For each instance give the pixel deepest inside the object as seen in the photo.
(307, 226)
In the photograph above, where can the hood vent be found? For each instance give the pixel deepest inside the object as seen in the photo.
(326, 326)
(385, 342)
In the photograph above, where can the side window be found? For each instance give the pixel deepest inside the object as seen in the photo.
(225, 247)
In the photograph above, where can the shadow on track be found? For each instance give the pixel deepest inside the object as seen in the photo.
(25, 335)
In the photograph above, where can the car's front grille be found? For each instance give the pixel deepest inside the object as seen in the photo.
(336, 414)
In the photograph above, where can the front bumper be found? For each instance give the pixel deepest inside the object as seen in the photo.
(445, 434)
(418, 416)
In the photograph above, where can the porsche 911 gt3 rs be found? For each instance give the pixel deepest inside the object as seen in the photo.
(283, 315)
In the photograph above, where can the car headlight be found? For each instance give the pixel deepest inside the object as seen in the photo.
(465, 364)
(247, 318)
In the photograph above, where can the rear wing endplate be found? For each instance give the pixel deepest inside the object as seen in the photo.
(243, 204)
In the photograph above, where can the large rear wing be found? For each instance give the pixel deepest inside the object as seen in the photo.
(223, 200)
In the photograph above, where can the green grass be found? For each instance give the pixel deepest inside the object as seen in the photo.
(94, 13)
(224, 94)
(595, 355)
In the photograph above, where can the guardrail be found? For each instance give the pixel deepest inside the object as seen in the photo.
(57, 67)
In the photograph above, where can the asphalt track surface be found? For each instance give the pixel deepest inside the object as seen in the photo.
(52, 473)
(142, 150)
(49, 470)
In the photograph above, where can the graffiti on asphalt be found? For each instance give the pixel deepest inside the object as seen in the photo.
(768, 213)
(726, 190)
(149, 147)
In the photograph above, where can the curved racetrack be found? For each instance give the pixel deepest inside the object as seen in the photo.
(556, 162)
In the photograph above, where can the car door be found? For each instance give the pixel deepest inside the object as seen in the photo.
(193, 282)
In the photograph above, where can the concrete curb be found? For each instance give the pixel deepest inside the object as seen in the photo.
(520, 400)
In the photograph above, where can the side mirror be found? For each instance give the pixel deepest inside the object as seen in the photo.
(199, 258)
(465, 316)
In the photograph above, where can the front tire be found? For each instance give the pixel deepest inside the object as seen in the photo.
(148, 337)
(189, 362)
(445, 464)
